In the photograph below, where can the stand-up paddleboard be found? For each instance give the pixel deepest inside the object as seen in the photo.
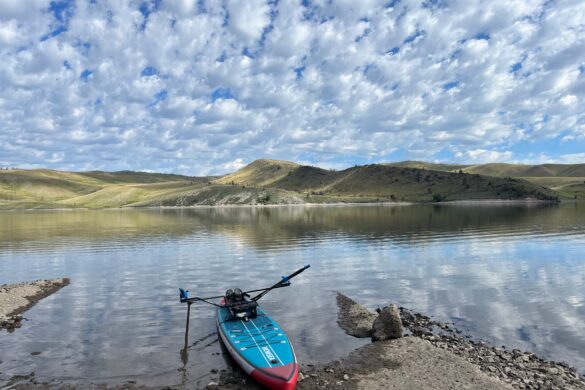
(260, 347)
(253, 339)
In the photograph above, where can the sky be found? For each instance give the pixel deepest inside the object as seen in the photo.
(205, 87)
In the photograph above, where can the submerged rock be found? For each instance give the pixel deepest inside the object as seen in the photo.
(353, 318)
(388, 325)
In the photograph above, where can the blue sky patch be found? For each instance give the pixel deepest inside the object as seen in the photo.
(394, 50)
(516, 67)
(61, 11)
(222, 93)
(146, 8)
(299, 72)
(149, 71)
(413, 37)
(450, 85)
(85, 75)
(482, 36)
(160, 96)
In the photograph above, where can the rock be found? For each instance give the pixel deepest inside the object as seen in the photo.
(353, 318)
(345, 377)
(388, 324)
(301, 377)
(553, 371)
(212, 385)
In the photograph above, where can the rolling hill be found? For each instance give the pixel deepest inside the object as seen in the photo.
(567, 179)
(267, 182)
(381, 182)
(502, 169)
(259, 173)
(43, 188)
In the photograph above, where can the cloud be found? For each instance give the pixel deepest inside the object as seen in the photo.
(484, 156)
(192, 86)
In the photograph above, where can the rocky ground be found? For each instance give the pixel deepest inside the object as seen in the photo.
(431, 355)
(522, 370)
(17, 298)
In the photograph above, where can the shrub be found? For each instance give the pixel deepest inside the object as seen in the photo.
(438, 198)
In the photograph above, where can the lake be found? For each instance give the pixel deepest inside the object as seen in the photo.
(513, 275)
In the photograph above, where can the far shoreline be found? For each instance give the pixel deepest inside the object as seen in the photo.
(463, 202)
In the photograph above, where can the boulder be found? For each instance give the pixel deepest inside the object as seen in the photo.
(353, 318)
(388, 324)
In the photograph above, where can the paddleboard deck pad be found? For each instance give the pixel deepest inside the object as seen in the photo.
(260, 347)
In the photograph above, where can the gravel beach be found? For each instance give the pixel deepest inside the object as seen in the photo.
(17, 298)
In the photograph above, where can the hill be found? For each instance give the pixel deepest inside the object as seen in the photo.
(43, 188)
(382, 182)
(259, 173)
(567, 179)
(263, 182)
(502, 169)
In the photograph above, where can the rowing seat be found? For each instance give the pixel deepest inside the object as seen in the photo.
(239, 306)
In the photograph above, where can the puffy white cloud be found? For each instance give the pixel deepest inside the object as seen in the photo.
(484, 156)
(193, 86)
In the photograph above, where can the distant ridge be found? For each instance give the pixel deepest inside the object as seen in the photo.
(283, 182)
(502, 169)
(385, 181)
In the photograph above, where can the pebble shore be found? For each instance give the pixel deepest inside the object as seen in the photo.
(19, 297)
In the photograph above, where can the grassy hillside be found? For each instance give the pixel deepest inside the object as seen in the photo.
(427, 165)
(501, 169)
(411, 184)
(259, 173)
(563, 178)
(384, 182)
(42, 188)
(267, 182)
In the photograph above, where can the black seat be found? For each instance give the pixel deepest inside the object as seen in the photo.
(239, 306)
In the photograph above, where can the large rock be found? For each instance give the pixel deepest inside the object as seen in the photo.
(353, 318)
(388, 324)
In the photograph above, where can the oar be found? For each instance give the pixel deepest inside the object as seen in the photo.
(284, 282)
(184, 297)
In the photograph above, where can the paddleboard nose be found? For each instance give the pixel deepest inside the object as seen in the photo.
(279, 377)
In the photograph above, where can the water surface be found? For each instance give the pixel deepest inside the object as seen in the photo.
(513, 275)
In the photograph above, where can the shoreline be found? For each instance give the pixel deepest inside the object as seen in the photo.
(17, 298)
(469, 202)
(430, 354)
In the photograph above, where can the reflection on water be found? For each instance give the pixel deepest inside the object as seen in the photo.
(514, 275)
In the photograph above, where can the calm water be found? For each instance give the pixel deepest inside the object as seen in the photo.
(513, 275)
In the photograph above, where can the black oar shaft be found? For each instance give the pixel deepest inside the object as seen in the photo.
(285, 280)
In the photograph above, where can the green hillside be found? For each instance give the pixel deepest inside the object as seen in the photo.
(43, 188)
(382, 182)
(427, 165)
(259, 173)
(563, 178)
(276, 182)
(502, 169)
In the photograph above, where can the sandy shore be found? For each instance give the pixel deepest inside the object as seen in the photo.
(17, 298)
